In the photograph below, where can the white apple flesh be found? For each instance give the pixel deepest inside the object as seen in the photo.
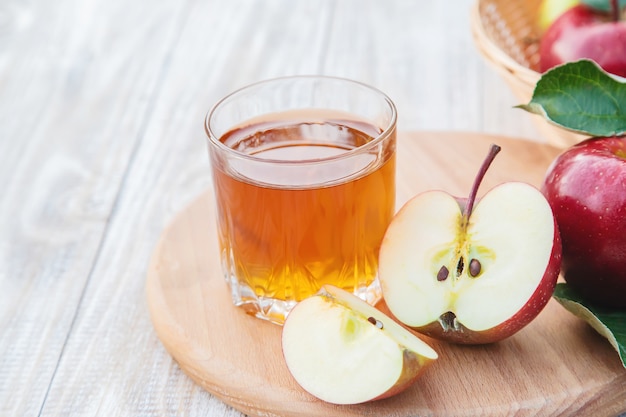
(344, 351)
(471, 277)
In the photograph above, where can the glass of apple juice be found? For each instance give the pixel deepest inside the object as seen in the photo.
(303, 171)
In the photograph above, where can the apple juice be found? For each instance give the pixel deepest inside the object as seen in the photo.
(287, 228)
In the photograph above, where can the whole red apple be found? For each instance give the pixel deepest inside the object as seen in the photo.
(584, 32)
(586, 187)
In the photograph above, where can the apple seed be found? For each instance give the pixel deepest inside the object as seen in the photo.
(375, 322)
(474, 267)
(460, 266)
(443, 273)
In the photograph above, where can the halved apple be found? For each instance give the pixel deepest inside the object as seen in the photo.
(469, 275)
(344, 351)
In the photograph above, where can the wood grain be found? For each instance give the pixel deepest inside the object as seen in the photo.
(74, 100)
(555, 366)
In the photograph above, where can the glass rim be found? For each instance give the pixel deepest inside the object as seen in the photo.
(386, 132)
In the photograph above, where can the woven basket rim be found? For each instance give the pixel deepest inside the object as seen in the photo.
(520, 78)
(494, 54)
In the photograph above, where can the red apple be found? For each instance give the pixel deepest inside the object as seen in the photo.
(584, 32)
(468, 274)
(586, 187)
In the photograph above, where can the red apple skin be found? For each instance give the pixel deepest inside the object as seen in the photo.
(411, 370)
(523, 317)
(586, 187)
(582, 32)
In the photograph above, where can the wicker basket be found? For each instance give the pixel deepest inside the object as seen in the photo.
(506, 34)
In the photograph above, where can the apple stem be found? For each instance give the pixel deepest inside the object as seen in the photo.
(615, 10)
(469, 206)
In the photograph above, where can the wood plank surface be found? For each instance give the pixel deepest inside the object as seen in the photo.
(555, 366)
(75, 99)
(101, 145)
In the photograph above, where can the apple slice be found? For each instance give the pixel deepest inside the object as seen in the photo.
(469, 275)
(344, 351)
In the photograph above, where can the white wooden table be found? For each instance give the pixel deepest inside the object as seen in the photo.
(101, 143)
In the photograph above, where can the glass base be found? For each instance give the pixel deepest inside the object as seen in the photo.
(276, 311)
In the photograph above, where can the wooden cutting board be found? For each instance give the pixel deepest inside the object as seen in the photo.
(557, 365)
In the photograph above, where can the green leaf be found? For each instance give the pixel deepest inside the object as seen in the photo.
(582, 97)
(610, 323)
(604, 5)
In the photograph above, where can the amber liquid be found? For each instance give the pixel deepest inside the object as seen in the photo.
(282, 233)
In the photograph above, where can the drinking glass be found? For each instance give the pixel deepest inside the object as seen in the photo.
(303, 171)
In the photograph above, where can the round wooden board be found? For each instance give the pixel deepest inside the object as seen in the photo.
(557, 365)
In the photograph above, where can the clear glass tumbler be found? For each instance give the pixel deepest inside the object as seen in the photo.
(303, 171)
